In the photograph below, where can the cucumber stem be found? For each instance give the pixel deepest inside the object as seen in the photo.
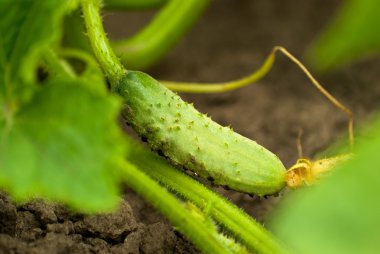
(107, 59)
(195, 87)
(204, 236)
(254, 236)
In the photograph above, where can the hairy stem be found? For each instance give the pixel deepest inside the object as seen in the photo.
(254, 236)
(195, 227)
(107, 59)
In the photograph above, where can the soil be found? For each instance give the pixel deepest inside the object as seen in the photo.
(231, 40)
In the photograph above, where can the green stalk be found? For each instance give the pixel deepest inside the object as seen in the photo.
(188, 223)
(56, 65)
(133, 5)
(107, 59)
(195, 87)
(157, 38)
(254, 236)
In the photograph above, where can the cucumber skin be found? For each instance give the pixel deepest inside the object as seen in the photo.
(195, 142)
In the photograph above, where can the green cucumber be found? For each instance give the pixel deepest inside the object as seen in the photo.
(193, 141)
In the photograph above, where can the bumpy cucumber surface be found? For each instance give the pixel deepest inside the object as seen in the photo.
(192, 140)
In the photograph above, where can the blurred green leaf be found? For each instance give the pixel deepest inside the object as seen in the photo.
(353, 34)
(341, 213)
(61, 145)
(27, 27)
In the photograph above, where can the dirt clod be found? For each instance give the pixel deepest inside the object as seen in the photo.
(8, 217)
(66, 228)
(158, 238)
(133, 240)
(28, 228)
(45, 212)
(112, 227)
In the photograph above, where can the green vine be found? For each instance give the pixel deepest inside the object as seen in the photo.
(233, 219)
(161, 34)
(189, 224)
(110, 64)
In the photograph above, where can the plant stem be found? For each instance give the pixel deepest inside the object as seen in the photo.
(56, 65)
(188, 223)
(194, 87)
(242, 226)
(110, 64)
(84, 56)
(157, 38)
(133, 4)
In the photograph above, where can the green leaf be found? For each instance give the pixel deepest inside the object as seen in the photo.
(61, 146)
(341, 213)
(27, 28)
(353, 34)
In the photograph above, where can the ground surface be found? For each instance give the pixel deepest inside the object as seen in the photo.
(232, 39)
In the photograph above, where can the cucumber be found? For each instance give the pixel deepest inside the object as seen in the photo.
(193, 141)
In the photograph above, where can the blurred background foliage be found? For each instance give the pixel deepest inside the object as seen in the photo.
(341, 214)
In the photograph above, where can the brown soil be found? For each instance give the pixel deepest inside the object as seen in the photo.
(232, 39)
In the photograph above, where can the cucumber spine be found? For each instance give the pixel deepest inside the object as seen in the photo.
(193, 141)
